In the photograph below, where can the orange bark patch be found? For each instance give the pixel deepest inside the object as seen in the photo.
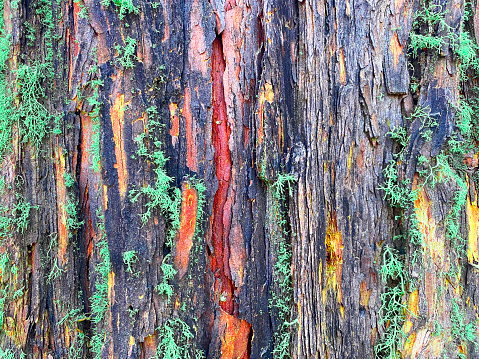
(427, 225)
(235, 337)
(148, 347)
(117, 113)
(396, 49)
(184, 240)
(365, 294)
(334, 257)
(409, 345)
(413, 309)
(342, 67)
(191, 152)
(175, 124)
(472, 211)
(105, 197)
(61, 199)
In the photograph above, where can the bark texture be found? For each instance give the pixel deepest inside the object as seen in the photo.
(229, 179)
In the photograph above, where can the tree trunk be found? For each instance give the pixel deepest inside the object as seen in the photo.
(239, 179)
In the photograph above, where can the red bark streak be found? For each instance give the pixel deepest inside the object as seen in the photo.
(186, 233)
(191, 152)
(221, 218)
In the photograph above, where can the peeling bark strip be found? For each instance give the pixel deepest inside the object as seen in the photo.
(221, 221)
(234, 179)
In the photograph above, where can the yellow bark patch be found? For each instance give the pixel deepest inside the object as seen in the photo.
(409, 345)
(407, 326)
(111, 287)
(266, 94)
(350, 157)
(117, 114)
(105, 197)
(334, 257)
(473, 220)
(413, 302)
(67, 336)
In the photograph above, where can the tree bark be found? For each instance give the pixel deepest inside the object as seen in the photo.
(239, 179)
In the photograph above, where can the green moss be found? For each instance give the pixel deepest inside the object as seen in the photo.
(124, 7)
(129, 259)
(282, 292)
(428, 20)
(169, 272)
(96, 128)
(127, 54)
(35, 118)
(393, 308)
(99, 297)
(73, 224)
(69, 181)
(176, 341)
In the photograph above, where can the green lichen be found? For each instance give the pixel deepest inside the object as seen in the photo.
(282, 291)
(129, 259)
(176, 341)
(124, 7)
(127, 54)
(99, 298)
